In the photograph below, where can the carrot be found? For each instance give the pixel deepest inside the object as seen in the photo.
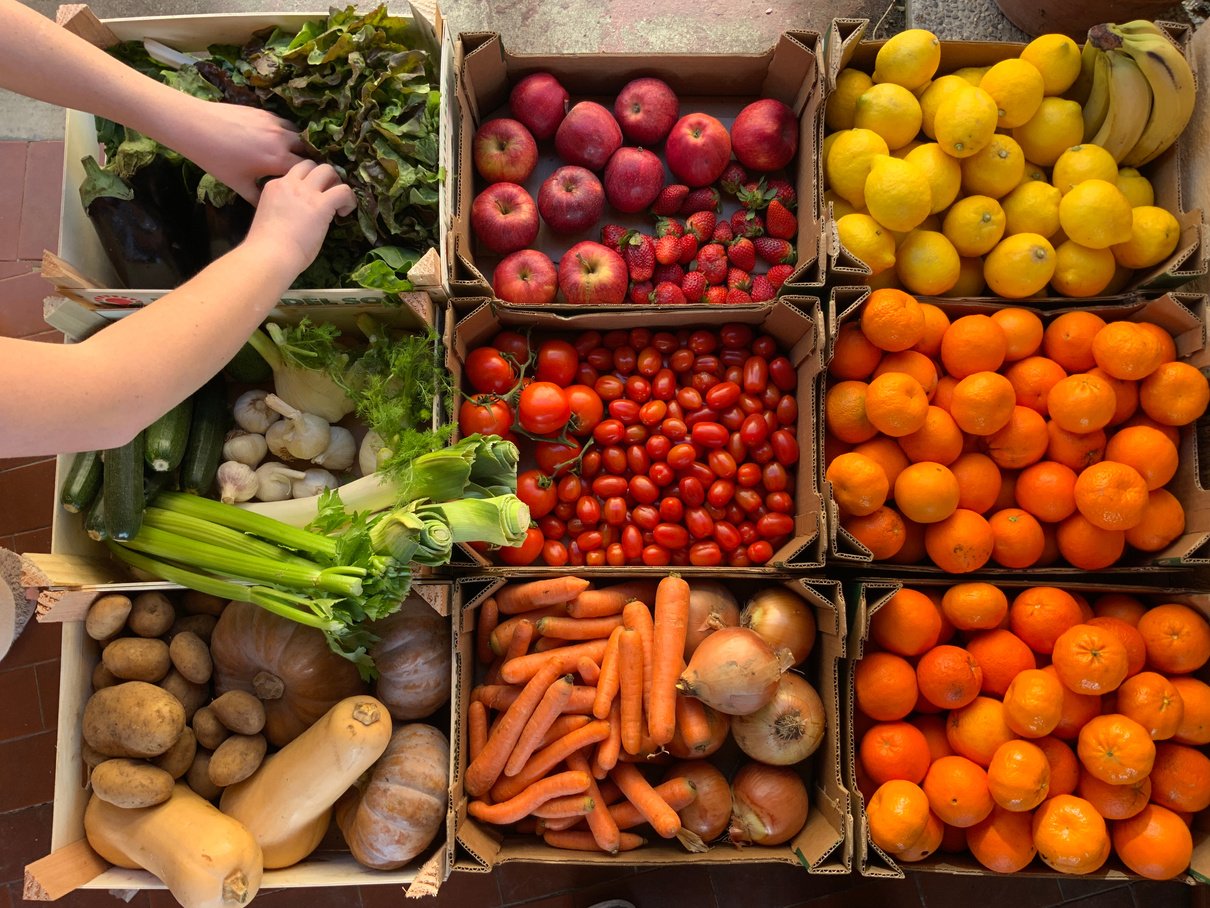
(568, 806)
(546, 644)
(637, 617)
(576, 840)
(667, 656)
(476, 721)
(564, 725)
(528, 825)
(607, 684)
(503, 633)
(588, 670)
(610, 791)
(489, 617)
(677, 793)
(518, 644)
(540, 721)
(524, 803)
(654, 809)
(630, 671)
(550, 756)
(607, 750)
(526, 597)
(519, 670)
(501, 696)
(579, 628)
(611, 600)
(556, 823)
(483, 771)
(603, 828)
(692, 723)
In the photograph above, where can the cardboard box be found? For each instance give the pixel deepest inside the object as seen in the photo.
(717, 84)
(1184, 316)
(72, 865)
(821, 847)
(796, 322)
(868, 596)
(82, 270)
(1188, 261)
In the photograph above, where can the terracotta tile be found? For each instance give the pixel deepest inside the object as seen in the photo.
(37, 643)
(937, 889)
(32, 541)
(101, 898)
(518, 881)
(22, 713)
(1161, 895)
(316, 897)
(461, 889)
(9, 895)
(27, 497)
(12, 186)
(25, 834)
(48, 693)
(21, 314)
(12, 463)
(780, 884)
(14, 269)
(668, 885)
(29, 771)
(883, 893)
(47, 336)
(41, 200)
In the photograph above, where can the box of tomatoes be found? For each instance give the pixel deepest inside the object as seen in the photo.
(685, 439)
(963, 436)
(1004, 727)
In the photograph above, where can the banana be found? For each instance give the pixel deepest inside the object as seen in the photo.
(1096, 107)
(1129, 103)
(1139, 27)
(1082, 87)
(1171, 80)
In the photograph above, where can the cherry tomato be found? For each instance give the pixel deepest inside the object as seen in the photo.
(665, 341)
(734, 361)
(733, 418)
(736, 448)
(721, 464)
(754, 430)
(627, 411)
(674, 429)
(709, 434)
(649, 361)
(609, 432)
(587, 341)
(488, 371)
(693, 494)
(590, 466)
(586, 409)
(681, 456)
(624, 359)
(689, 399)
(774, 525)
(643, 490)
(785, 447)
(554, 553)
(709, 364)
(775, 477)
(662, 474)
(552, 527)
(576, 526)
(595, 558)
(705, 554)
(640, 338)
(569, 488)
(705, 414)
(638, 389)
(537, 490)
(722, 395)
(586, 374)
(543, 408)
(726, 535)
(663, 386)
(698, 471)
(557, 362)
(657, 447)
(720, 493)
(781, 502)
(614, 511)
(681, 360)
(609, 387)
(771, 396)
(760, 551)
(703, 342)
(748, 475)
(787, 410)
(735, 335)
(615, 556)
(589, 540)
(645, 516)
(699, 523)
(637, 459)
(747, 532)
(525, 553)
(704, 381)
(632, 542)
(565, 510)
(588, 509)
(761, 453)
(615, 338)
(636, 434)
(606, 486)
(514, 344)
(765, 346)
(656, 555)
(652, 412)
(750, 404)
(672, 511)
(574, 556)
(555, 457)
(485, 415)
(782, 372)
(613, 459)
(748, 499)
(600, 358)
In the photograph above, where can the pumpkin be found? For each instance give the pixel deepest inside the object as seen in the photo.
(413, 659)
(404, 805)
(286, 664)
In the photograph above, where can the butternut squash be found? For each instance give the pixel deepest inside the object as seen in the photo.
(287, 802)
(206, 859)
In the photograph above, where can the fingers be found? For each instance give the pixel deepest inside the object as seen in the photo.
(323, 177)
(300, 170)
(342, 198)
(249, 193)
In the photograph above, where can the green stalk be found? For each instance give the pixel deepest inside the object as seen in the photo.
(258, 525)
(264, 345)
(205, 531)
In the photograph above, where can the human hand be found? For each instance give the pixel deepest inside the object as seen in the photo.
(239, 145)
(295, 211)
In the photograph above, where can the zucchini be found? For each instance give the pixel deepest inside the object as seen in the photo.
(94, 522)
(82, 481)
(165, 439)
(207, 432)
(248, 367)
(123, 489)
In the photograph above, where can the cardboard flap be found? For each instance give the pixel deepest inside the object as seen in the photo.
(793, 71)
(429, 877)
(842, 39)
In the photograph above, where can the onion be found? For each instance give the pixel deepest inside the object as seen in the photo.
(769, 805)
(719, 724)
(710, 813)
(711, 608)
(785, 730)
(783, 620)
(732, 670)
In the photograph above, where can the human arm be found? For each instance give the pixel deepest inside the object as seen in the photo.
(237, 145)
(99, 393)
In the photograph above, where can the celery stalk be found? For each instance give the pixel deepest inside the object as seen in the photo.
(283, 534)
(206, 531)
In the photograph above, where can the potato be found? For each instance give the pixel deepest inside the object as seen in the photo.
(209, 730)
(192, 696)
(191, 656)
(198, 776)
(92, 757)
(103, 677)
(133, 719)
(240, 711)
(177, 759)
(137, 659)
(195, 603)
(107, 616)
(236, 759)
(151, 614)
(131, 783)
(202, 625)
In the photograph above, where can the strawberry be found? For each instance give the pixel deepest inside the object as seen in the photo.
(742, 254)
(712, 262)
(733, 177)
(611, 236)
(667, 293)
(701, 225)
(638, 250)
(670, 199)
(779, 274)
(784, 193)
(671, 274)
(688, 249)
(640, 293)
(667, 249)
(704, 199)
(666, 226)
(737, 297)
(747, 223)
(722, 233)
(738, 279)
(694, 286)
(762, 289)
(780, 221)
(716, 295)
(775, 252)
(754, 195)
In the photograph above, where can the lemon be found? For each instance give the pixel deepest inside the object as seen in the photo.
(1096, 214)
(1080, 271)
(1154, 235)
(889, 110)
(995, 169)
(972, 75)
(974, 225)
(1083, 162)
(932, 222)
(1032, 207)
(927, 263)
(910, 58)
(1057, 125)
(931, 98)
(838, 112)
(824, 150)
(897, 193)
(1016, 86)
(966, 121)
(970, 278)
(848, 162)
(840, 206)
(1136, 187)
(943, 173)
(888, 279)
(1020, 266)
(905, 150)
(1057, 58)
(1034, 172)
(867, 240)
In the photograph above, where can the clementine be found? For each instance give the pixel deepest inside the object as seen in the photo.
(960, 543)
(979, 482)
(897, 815)
(1175, 394)
(977, 729)
(1162, 523)
(894, 750)
(1003, 841)
(1068, 339)
(1018, 538)
(957, 791)
(1032, 378)
(881, 532)
(908, 623)
(1018, 776)
(974, 606)
(1116, 749)
(1154, 843)
(1089, 659)
(1180, 778)
(1114, 802)
(1002, 655)
(948, 676)
(885, 686)
(1151, 700)
(853, 356)
(896, 404)
(1033, 703)
(1041, 614)
(1047, 490)
(859, 484)
(1177, 638)
(1195, 711)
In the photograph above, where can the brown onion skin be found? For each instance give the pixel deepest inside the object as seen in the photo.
(786, 730)
(711, 608)
(720, 724)
(733, 671)
(710, 813)
(769, 805)
(783, 619)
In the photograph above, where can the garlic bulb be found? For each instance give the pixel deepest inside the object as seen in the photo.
(275, 439)
(307, 435)
(245, 447)
(251, 412)
(340, 452)
(236, 481)
(372, 453)
(313, 481)
(275, 481)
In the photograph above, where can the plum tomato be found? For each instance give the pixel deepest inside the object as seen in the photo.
(558, 362)
(543, 408)
(525, 553)
(486, 415)
(489, 372)
(537, 490)
(554, 553)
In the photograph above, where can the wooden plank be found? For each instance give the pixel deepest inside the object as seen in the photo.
(63, 275)
(70, 571)
(78, 19)
(58, 606)
(61, 872)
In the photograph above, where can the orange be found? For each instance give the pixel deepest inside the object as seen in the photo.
(944, 396)
(1088, 546)
(1003, 841)
(983, 403)
(1148, 451)
(935, 324)
(913, 363)
(1111, 495)
(957, 791)
(926, 492)
(1070, 835)
(1195, 712)
(1162, 523)
(908, 623)
(1021, 442)
(1126, 351)
(895, 404)
(1018, 538)
(1136, 649)
(885, 686)
(979, 481)
(1022, 332)
(1154, 843)
(881, 532)
(1116, 749)
(912, 550)
(948, 676)
(1064, 767)
(1018, 776)
(1125, 396)
(1114, 802)
(1175, 394)
(977, 729)
(1151, 700)
(974, 606)
(1180, 778)
(1075, 450)
(1068, 340)
(1075, 710)
(973, 343)
(939, 439)
(1177, 638)
(897, 815)
(894, 750)
(960, 543)
(887, 454)
(933, 729)
(845, 412)
(853, 357)
(892, 320)
(859, 485)
(1172, 433)
(1041, 614)
(1119, 605)
(928, 842)
(1163, 338)
(1033, 703)
(1032, 378)
(1081, 403)
(1047, 490)
(1089, 659)
(1002, 655)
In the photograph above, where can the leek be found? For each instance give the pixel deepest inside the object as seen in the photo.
(502, 520)
(408, 536)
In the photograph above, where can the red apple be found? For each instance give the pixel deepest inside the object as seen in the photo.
(504, 217)
(593, 275)
(588, 136)
(504, 151)
(633, 179)
(571, 199)
(540, 102)
(698, 149)
(765, 135)
(646, 109)
(527, 277)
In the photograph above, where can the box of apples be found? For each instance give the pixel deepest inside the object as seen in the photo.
(618, 180)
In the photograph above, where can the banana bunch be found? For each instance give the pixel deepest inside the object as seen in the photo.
(1140, 91)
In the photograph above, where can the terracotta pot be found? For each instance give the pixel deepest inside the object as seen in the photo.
(1075, 17)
